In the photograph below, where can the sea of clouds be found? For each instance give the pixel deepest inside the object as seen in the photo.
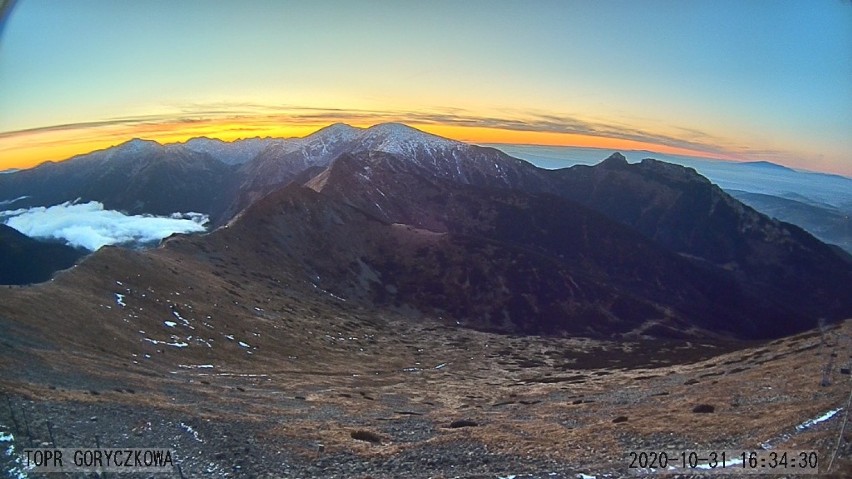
(90, 226)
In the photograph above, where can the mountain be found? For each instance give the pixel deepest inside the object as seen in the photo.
(229, 152)
(641, 248)
(135, 177)
(777, 262)
(493, 259)
(24, 260)
(357, 301)
(824, 191)
(282, 162)
(279, 164)
(671, 205)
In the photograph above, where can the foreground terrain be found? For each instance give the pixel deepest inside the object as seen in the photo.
(273, 381)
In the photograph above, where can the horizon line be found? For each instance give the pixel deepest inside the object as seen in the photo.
(62, 142)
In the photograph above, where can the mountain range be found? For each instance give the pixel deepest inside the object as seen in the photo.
(820, 203)
(392, 217)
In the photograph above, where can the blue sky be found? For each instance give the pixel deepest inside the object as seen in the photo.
(735, 79)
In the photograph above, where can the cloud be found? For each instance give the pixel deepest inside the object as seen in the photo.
(90, 226)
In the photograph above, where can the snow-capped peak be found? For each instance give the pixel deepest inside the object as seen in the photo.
(335, 132)
(400, 138)
(229, 152)
(132, 147)
(137, 144)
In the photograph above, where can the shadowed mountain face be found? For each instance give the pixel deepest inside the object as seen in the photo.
(393, 217)
(24, 260)
(504, 261)
(498, 259)
(677, 208)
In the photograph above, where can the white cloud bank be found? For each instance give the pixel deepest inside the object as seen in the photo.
(90, 226)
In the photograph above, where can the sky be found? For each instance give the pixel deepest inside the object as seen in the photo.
(739, 80)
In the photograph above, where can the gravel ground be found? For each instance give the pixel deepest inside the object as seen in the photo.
(208, 448)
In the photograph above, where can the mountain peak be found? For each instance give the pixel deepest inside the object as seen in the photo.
(673, 171)
(401, 139)
(203, 139)
(615, 160)
(137, 144)
(393, 128)
(338, 129)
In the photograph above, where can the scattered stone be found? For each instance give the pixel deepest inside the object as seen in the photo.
(462, 423)
(368, 436)
(703, 408)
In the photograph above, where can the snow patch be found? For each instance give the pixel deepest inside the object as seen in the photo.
(175, 344)
(170, 324)
(813, 422)
(192, 431)
(17, 469)
(119, 299)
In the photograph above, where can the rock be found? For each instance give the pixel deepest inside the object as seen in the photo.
(368, 436)
(462, 423)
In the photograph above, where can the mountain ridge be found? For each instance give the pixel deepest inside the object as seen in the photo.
(394, 174)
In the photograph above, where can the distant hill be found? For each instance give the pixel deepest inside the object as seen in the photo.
(827, 223)
(765, 164)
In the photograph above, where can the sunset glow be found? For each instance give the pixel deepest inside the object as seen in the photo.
(76, 77)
